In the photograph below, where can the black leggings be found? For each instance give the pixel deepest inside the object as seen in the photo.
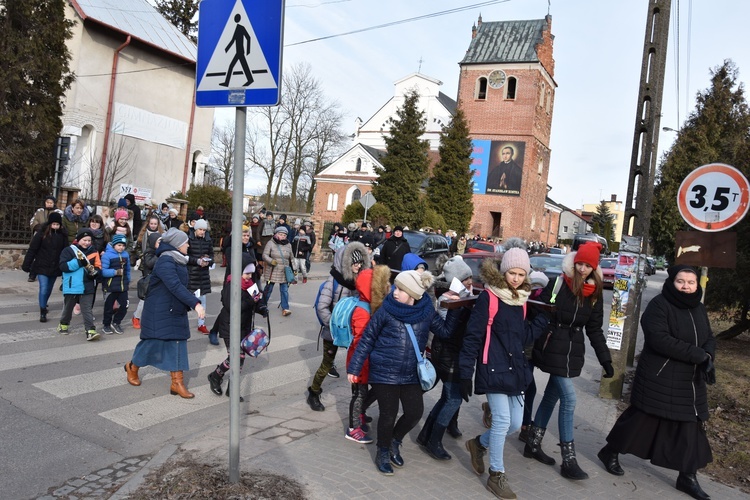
(389, 396)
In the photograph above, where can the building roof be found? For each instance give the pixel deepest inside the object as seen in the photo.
(505, 42)
(139, 19)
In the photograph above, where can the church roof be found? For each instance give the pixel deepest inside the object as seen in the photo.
(506, 42)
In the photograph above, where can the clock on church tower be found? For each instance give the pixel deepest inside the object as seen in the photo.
(496, 79)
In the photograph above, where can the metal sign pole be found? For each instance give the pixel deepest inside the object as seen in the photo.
(238, 190)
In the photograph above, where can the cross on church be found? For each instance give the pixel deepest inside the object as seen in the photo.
(420, 65)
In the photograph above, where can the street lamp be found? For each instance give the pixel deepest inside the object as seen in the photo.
(669, 129)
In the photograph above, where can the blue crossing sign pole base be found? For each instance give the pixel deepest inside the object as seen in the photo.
(240, 48)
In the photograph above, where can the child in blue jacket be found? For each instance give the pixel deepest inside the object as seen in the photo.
(80, 266)
(116, 279)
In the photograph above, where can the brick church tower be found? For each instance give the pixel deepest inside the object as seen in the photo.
(507, 90)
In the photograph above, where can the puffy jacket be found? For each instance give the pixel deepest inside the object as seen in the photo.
(668, 382)
(282, 254)
(169, 300)
(507, 370)
(43, 255)
(112, 260)
(387, 343)
(76, 280)
(393, 252)
(199, 278)
(444, 352)
(72, 223)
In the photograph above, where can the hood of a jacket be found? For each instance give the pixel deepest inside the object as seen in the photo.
(373, 285)
(344, 255)
(411, 261)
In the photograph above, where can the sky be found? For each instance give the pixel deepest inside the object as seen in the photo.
(597, 49)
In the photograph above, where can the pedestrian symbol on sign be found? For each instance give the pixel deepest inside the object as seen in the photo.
(238, 41)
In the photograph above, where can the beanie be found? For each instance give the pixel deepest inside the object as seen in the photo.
(673, 271)
(413, 283)
(538, 279)
(173, 211)
(245, 229)
(515, 258)
(249, 269)
(352, 227)
(83, 232)
(357, 257)
(54, 217)
(282, 217)
(121, 214)
(455, 267)
(588, 253)
(50, 197)
(200, 224)
(122, 203)
(118, 238)
(398, 228)
(281, 229)
(174, 237)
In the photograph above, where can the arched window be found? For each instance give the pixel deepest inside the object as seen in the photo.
(542, 95)
(356, 194)
(481, 90)
(510, 85)
(333, 201)
(358, 168)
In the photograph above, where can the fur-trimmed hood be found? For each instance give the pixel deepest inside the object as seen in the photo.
(568, 266)
(344, 255)
(373, 285)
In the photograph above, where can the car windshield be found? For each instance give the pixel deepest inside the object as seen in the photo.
(608, 263)
(543, 262)
(415, 240)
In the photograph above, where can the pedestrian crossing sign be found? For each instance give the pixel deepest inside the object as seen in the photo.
(239, 53)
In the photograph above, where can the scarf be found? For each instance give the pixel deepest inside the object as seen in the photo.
(420, 311)
(341, 280)
(681, 300)
(588, 288)
(244, 283)
(178, 257)
(506, 295)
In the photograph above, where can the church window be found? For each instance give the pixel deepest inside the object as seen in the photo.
(542, 95)
(540, 168)
(510, 86)
(358, 168)
(356, 195)
(481, 90)
(333, 201)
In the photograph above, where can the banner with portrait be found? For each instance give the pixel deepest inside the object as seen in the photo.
(498, 166)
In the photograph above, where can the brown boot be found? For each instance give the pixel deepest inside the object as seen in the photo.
(178, 387)
(132, 372)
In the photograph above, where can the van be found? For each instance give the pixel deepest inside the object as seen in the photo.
(580, 239)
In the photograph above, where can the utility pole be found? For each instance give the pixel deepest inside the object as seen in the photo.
(642, 175)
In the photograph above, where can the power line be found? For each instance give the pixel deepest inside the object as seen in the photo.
(689, 43)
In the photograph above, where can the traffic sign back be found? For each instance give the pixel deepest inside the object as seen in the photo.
(239, 53)
(714, 197)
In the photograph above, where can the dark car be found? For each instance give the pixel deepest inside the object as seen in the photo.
(608, 272)
(549, 264)
(650, 267)
(474, 261)
(429, 246)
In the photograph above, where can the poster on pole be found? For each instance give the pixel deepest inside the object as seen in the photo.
(626, 275)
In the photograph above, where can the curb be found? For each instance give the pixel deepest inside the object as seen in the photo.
(135, 482)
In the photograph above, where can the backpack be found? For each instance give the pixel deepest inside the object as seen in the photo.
(317, 299)
(341, 320)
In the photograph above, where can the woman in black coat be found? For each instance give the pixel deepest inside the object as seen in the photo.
(200, 258)
(669, 403)
(43, 258)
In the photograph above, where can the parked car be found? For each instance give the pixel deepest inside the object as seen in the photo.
(661, 263)
(429, 246)
(482, 246)
(608, 272)
(474, 261)
(549, 264)
(650, 267)
(555, 251)
(580, 239)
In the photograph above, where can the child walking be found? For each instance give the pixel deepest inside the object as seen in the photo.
(301, 246)
(80, 265)
(116, 274)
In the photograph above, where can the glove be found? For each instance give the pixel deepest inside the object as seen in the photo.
(273, 262)
(118, 272)
(466, 389)
(609, 372)
(262, 309)
(708, 371)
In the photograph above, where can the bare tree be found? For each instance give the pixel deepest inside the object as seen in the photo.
(118, 166)
(267, 146)
(221, 162)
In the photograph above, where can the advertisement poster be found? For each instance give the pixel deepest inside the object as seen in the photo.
(626, 273)
(498, 166)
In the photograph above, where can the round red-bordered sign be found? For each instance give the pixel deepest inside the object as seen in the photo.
(714, 197)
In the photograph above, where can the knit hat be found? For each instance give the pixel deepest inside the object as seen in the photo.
(55, 217)
(121, 213)
(173, 211)
(50, 197)
(538, 279)
(413, 283)
(122, 203)
(269, 214)
(118, 238)
(201, 224)
(398, 228)
(673, 271)
(364, 225)
(297, 222)
(249, 269)
(174, 237)
(515, 258)
(352, 227)
(245, 229)
(455, 267)
(281, 229)
(282, 217)
(256, 217)
(357, 257)
(368, 240)
(163, 206)
(588, 253)
(193, 216)
(83, 232)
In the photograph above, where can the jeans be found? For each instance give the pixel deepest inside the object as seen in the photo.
(507, 412)
(558, 388)
(46, 284)
(109, 304)
(284, 290)
(389, 396)
(448, 404)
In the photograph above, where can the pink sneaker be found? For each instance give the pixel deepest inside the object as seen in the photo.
(358, 436)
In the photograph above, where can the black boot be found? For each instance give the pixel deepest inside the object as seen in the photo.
(688, 483)
(453, 429)
(396, 458)
(610, 461)
(569, 468)
(242, 400)
(523, 436)
(533, 448)
(313, 399)
(424, 434)
(215, 380)
(43, 314)
(434, 446)
(383, 459)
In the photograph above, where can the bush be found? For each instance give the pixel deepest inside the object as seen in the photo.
(211, 198)
(434, 220)
(377, 215)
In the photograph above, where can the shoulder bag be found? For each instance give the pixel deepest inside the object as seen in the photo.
(288, 271)
(425, 370)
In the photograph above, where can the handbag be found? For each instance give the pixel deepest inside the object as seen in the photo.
(142, 287)
(288, 271)
(425, 370)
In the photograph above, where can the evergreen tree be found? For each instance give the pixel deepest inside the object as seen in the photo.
(450, 192)
(404, 165)
(34, 76)
(717, 131)
(602, 222)
(182, 14)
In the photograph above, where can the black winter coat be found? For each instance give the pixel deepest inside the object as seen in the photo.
(393, 252)
(444, 351)
(247, 309)
(43, 255)
(199, 277)
(562, 350)
(668, 382)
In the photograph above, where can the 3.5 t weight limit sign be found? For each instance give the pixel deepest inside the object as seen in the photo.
(714, 197)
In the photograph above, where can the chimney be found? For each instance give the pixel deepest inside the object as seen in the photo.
(613, 198)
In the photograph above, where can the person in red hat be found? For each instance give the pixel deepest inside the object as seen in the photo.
(579, 305)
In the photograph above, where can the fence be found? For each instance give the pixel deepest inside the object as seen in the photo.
(16, 211)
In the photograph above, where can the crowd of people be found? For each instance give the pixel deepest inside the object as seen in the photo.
(481, 342)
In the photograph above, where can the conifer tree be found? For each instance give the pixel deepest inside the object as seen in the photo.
(602, 221)
(182, 14)
(34, 76)
(450, 192)
(404, 165)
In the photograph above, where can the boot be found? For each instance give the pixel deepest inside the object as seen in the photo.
(610, 461)
(688, 484)
(313, 399)
(178, 387)
(43, 314)
(434, 446)
(242, 400)
(477, 451)
(132, 372)
(396, 458)
(533, 448)
(453, 429)
(497, 483)
(523, 436)
(215, 380)
(384, 461)
(569, 468)
(424, 434)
